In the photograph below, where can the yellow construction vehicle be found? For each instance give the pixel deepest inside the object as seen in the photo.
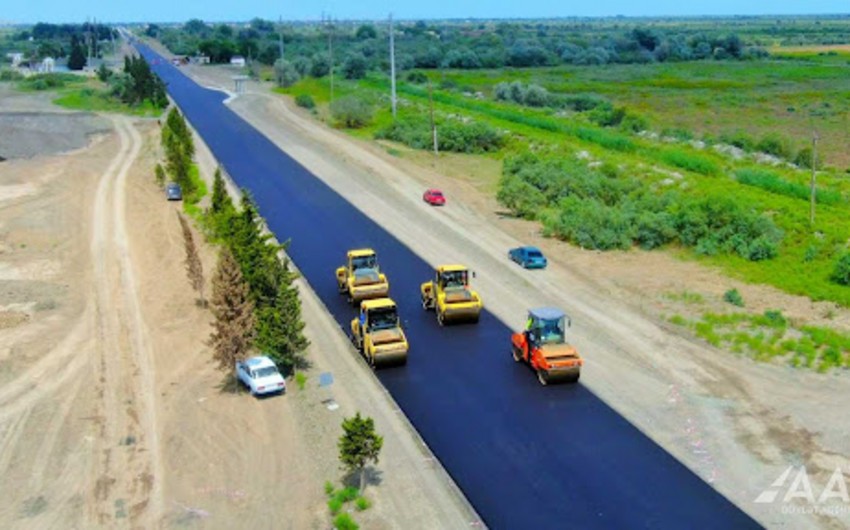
(377, 333)
(450, 296)
(361, 278)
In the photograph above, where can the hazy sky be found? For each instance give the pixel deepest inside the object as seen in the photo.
(25, 11)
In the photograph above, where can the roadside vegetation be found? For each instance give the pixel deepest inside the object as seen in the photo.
(278, 326)
(254, 302)
(359, 446)
(771, 336)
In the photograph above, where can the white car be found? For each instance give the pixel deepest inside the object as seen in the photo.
(260, 375)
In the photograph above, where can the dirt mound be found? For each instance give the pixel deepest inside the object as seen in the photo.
(30, 134)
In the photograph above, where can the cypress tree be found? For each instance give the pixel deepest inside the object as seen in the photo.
(194, 267)
(233, 309)
(280, 330)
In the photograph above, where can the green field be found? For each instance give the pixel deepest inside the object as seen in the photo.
(83, 93)
(699, 100)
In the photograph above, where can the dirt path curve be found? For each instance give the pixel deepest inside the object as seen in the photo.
(79, 445)
(128, 478)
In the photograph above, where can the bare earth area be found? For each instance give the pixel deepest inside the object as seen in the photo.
(111, 414)
(736, 423)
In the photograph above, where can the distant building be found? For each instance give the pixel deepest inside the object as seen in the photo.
(237, 60)
(16, 58)
(200, 59)
(48, 65)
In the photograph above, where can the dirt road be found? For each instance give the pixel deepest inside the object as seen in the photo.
(736, 423)
(78, 419)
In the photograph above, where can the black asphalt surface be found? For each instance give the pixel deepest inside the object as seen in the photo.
(526, 456)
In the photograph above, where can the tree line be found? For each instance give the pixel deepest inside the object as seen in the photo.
(453, 45)
(254, 300)
(74, 41)
(135, 84)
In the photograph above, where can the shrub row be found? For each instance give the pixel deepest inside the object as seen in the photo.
(770, 181)
(597, 211)
(453, 135)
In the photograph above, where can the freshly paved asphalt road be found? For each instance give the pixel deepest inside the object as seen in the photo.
(525, 456)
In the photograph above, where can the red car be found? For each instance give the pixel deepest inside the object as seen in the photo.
(434, 197)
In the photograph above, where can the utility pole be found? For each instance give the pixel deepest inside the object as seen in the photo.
(433, 124)
(88, 41)
(331, 53)
(815, 139)
(280, 36)
(392, 66)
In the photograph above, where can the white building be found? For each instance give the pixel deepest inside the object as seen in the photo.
(237, 60)
(48, 65)
(16, 58)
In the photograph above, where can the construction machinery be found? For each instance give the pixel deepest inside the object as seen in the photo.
(450, 296)
(543, 347)
(377, 333)
(361, 278)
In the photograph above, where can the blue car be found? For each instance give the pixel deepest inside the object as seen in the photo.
(528, 257)
(173, 192)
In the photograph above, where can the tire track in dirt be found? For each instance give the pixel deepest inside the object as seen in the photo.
(128, 473)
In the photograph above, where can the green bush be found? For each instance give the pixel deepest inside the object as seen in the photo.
(355, 66)
(301, 380)
(351, 112)
(606, 139)
(579, 102)
(347, 494)
(344, 521)
(334, 505)
(776, 145)
(634, 123)
(48, 81)
(733, 297)
(591, 224)
(841, 271)
(7, 74)
(305, 101)
(329, 488)
(452, 135)
(417, 77)
(285, 73)
(805, 158)
(678, 133)
(739, 139)
(595, 210)
(690, 161)
(607, 115)
(362, 503)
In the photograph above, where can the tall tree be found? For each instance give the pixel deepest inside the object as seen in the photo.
(221, 212)
(233, 309)
(255, 252)
(77, 58)
(359, 445)
(280, 330)
(179, 148)
(194, 267)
